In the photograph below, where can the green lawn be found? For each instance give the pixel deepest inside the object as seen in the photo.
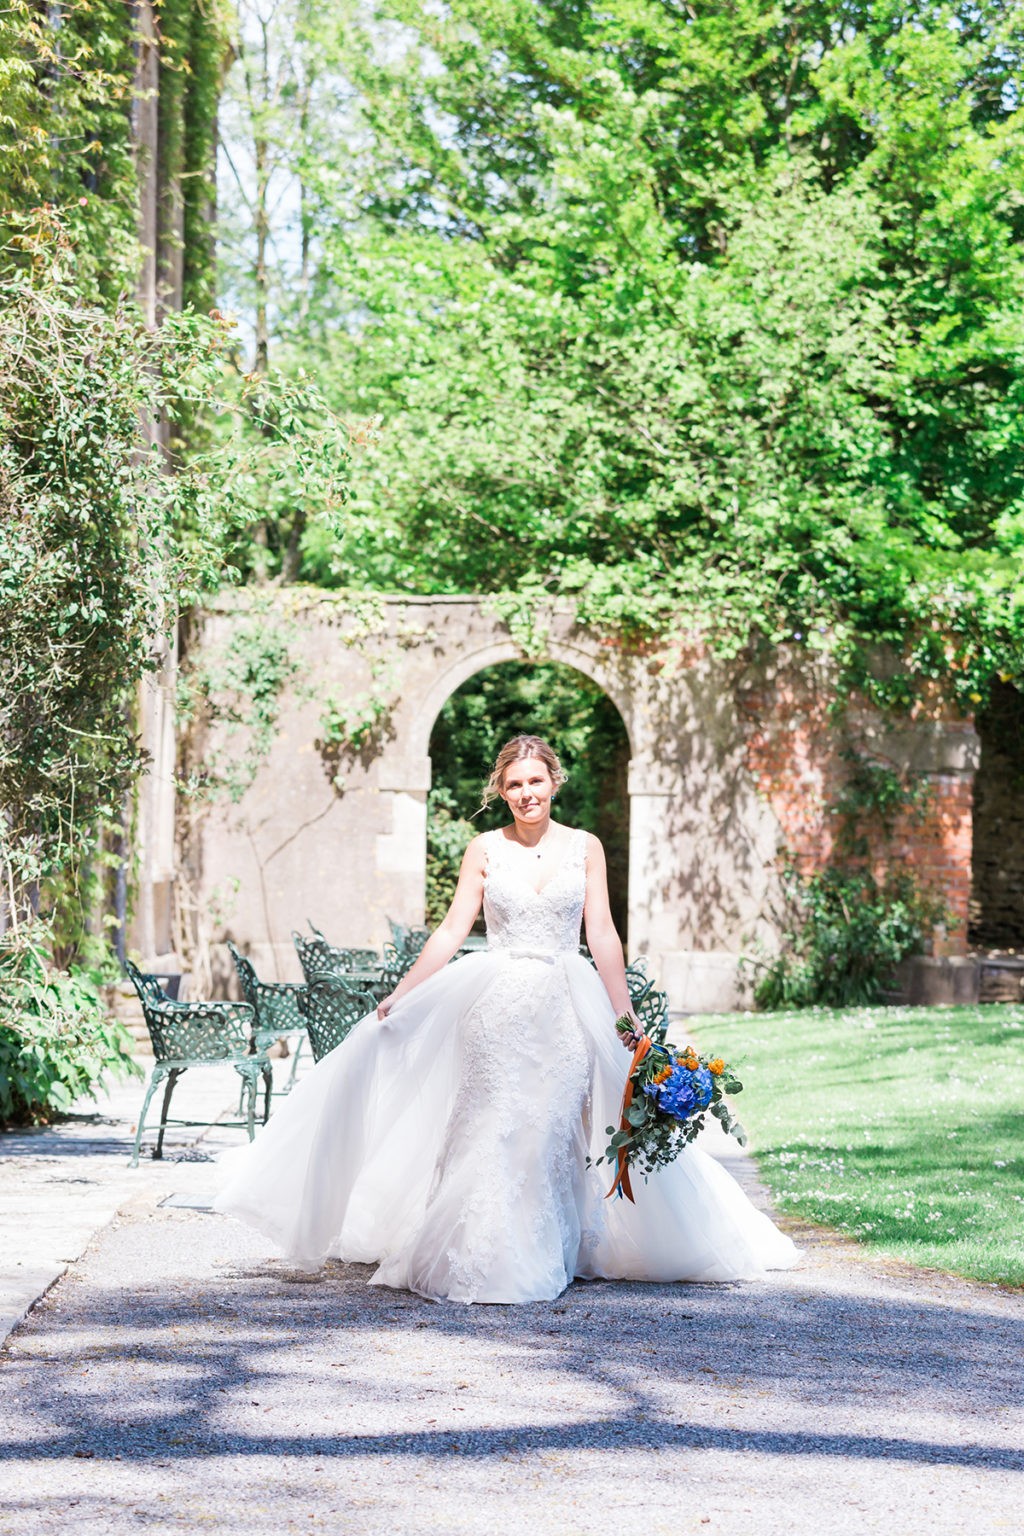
(903, 1127)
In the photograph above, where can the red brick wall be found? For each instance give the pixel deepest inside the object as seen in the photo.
(793, 754)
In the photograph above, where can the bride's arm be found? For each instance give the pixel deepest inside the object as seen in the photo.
(602, 939)
(451, 932)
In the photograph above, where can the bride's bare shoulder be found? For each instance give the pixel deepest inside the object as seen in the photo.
(476, 851)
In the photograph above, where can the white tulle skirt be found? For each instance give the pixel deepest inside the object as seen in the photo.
(448, 1145)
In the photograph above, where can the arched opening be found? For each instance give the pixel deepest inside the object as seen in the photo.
(549, 699)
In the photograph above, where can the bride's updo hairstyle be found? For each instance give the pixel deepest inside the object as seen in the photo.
(513, 752)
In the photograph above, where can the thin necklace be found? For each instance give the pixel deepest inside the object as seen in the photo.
(536, 850)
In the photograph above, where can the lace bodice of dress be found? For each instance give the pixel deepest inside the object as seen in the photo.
(517, 916)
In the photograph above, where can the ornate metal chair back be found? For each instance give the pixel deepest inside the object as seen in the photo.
(649, 1004)
(332, 1005)
(277, 1004)
(395, 964)
(192, 1032)
(316, 956)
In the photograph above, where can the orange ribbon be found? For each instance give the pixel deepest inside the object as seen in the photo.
(622, 1175)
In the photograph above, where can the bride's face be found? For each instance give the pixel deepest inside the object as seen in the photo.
(527, 790)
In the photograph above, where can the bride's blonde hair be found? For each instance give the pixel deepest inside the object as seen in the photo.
(513, 752)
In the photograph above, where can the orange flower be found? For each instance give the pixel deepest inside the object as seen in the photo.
(660, 1077)
(716, 1066)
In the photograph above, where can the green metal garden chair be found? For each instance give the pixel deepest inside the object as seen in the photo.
(405, 938)
(396, 964)
(358, 959)
(188, 1035)
(276, 1005)
(332, 1004)
(318, 957)
(649, 1004)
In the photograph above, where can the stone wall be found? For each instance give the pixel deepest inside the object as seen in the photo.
(725, 771)
(343, 843)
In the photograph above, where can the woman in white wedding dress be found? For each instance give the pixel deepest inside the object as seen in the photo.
(446, 1139)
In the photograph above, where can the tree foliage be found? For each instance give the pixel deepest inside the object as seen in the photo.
(705, 317)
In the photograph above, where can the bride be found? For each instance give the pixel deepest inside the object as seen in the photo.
(446, 1139)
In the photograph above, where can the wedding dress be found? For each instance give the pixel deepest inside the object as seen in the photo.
(448, 1142)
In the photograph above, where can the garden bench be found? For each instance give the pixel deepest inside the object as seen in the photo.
(188, 1035)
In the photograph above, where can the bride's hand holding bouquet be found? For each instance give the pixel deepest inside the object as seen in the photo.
(666, 1097)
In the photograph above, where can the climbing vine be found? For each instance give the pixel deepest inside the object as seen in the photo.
(208, 51)
(66, 77)
(355, 725)
(229, 695)
(101, 549)
(67, 93)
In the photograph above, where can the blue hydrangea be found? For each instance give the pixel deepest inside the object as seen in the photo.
(683, 1093)
(704, 1086)
(676, 1095)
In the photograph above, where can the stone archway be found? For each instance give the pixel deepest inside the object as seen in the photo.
(562, 704)
(350, 856)
(501, 667)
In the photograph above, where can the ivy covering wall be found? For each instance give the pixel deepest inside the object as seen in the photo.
(70, 113)
(193, 50)
(102, 104)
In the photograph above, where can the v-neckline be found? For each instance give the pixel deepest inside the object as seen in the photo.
(522, 878)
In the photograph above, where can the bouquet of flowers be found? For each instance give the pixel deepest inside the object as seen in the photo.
(667, 1096)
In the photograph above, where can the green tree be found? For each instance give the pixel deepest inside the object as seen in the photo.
(704, 318)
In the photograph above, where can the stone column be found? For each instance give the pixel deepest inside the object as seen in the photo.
(401, 854)
(150, 929)
(653, 922)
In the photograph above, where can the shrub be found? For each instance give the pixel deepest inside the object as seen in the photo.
(448, 835)
(57, 1042)
(843, 938)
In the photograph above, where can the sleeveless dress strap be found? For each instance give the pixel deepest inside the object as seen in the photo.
(492, 851)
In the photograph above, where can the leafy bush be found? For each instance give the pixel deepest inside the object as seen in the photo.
(56, 1039)
(844, 937)
(100, 547)
(448, 836)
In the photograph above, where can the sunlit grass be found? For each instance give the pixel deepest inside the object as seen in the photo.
(903, 1127)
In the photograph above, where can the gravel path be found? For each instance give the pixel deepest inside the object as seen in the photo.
(181, 1379)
